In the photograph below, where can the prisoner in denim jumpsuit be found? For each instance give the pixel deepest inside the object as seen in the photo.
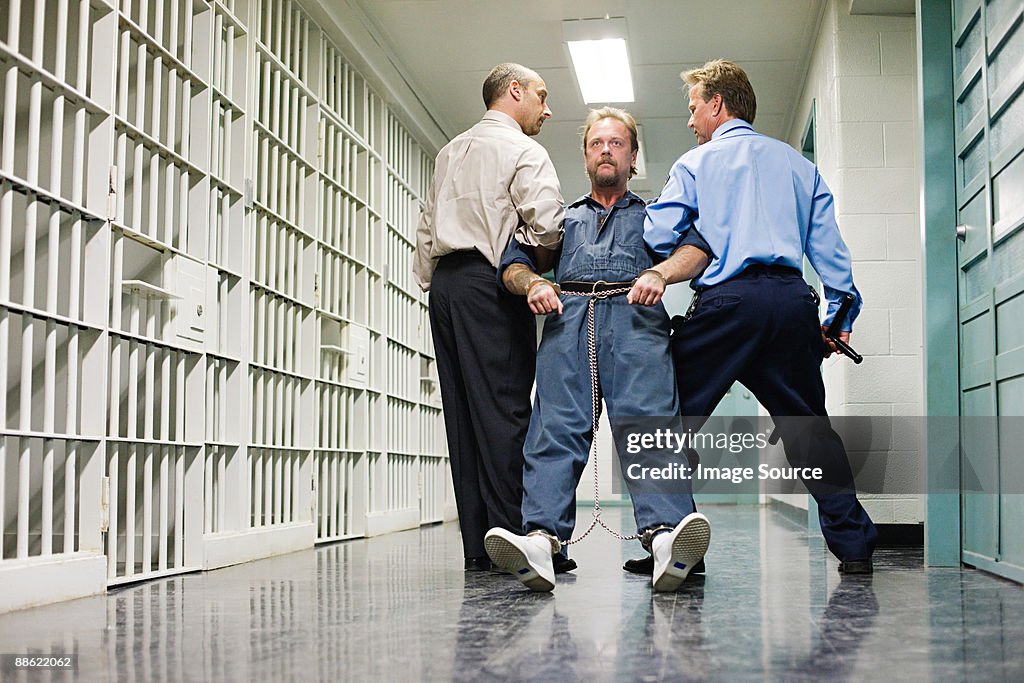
(636, 376)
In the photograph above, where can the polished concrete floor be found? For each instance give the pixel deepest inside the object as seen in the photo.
(399, 608)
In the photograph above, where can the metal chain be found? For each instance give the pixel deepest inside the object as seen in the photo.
(595, 403)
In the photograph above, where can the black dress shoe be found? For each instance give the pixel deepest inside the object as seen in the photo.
(563, 564)
(478, 564)
(856, 567)
(645, 565)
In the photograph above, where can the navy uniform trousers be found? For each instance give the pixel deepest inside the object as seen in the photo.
(761, 328)
(485, 341)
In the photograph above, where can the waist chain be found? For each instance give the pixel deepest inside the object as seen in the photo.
(595, 291)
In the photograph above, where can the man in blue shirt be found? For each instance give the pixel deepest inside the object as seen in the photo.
(602, 255)
(761, 207)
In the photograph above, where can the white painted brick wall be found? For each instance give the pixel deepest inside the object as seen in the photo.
(861, 144)
(903, 237)
(863, 83)
(899, 140)
(867, 235)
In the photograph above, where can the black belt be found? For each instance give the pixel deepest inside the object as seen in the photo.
(764, 269)
(599, 287)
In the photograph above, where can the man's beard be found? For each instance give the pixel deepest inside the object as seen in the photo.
(605, 180)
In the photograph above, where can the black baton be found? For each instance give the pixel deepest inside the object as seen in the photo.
(832, 333)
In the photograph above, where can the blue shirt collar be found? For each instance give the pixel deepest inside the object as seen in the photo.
(626, 200)
(729, 126)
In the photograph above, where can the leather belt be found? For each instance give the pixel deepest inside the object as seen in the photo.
(599, 287)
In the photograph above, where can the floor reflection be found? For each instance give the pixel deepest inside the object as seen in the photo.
(399, 607)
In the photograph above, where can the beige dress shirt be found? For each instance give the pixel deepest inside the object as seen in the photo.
(490, 182)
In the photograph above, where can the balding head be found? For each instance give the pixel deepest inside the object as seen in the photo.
(519, 92)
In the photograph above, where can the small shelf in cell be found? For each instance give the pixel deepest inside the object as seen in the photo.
(147, 289)
(336, 349)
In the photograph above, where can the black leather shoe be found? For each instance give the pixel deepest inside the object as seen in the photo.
(478, 564)
(563, 564)
(645, 565)
(856, 567)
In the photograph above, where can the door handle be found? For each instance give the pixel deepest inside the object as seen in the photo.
(961, 233)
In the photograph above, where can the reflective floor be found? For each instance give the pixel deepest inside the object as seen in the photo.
(399, 607)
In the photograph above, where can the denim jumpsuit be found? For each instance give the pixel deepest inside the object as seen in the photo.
(636, 375)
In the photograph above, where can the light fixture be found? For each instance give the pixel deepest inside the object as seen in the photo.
(597, 49)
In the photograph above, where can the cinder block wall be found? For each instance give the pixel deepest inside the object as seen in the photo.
(862, 85)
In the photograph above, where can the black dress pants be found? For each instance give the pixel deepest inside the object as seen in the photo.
(761, 328)
(486, 344)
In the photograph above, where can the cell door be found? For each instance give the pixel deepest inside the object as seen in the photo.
(988, 65)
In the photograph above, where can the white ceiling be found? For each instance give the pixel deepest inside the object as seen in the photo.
(445, 48)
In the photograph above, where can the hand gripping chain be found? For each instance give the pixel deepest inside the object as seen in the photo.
(596, 406)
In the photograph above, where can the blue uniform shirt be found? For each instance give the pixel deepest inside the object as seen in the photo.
(756, 200)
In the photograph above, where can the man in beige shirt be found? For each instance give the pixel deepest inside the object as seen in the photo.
(490, 182)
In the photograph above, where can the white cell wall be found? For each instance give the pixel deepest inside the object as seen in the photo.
(862, 83)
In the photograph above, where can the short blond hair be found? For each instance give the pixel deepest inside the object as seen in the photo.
(595, 115)
(725, 78)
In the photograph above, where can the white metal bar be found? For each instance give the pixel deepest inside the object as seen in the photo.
(257, 488)
(83, 44)
(224, 400)
(183, 183)
(212, 491)
(112, 510)
(290, 477)
(46, 532)
(162, 538)
(24, 483)
(179, 506)
(152, 227)
(222, 478)
(158, 29)
(179, 397)
(229, 71)
(335, 494)
(144, 14)
(278, 485)
(188, 37)
(38, 31)
(131, 482)
(147, 509)
(133, 371)
(320, 474)
(179, 465)
(173, 33)
(165, 396)
(137, 187)
(268, 488)
(211, 396)
(218, 50)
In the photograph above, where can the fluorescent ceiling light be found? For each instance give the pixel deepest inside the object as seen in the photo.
(597, 48)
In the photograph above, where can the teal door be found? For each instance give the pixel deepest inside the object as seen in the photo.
(988, 73)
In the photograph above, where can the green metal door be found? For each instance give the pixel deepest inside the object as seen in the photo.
(988, 66)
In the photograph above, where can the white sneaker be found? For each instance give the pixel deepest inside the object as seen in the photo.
(528, 558)
(677, 551)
